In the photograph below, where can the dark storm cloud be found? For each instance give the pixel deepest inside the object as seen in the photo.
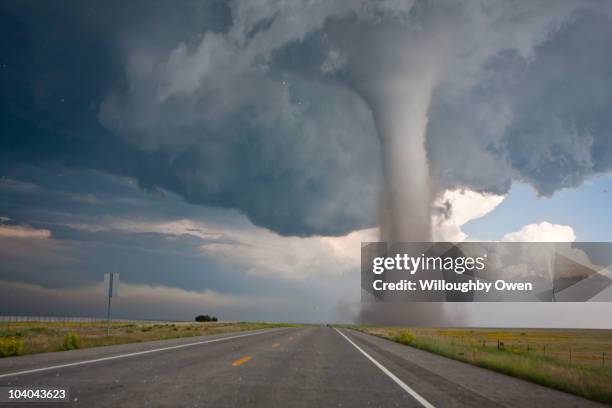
(300, 175)
(543, 119)
(114, 113)
(83, 213)
(91, 223)
(231, 105)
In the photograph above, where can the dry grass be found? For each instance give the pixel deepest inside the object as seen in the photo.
(40, 337)
(521, 354)
(584, 347)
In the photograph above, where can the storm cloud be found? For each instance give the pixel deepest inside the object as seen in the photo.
(165, 138)
(262, 108)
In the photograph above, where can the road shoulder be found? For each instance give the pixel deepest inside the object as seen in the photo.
(427, 373)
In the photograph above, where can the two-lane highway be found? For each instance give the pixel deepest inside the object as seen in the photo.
(306, 367)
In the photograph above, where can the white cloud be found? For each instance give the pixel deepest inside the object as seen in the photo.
(456, 208)
(175, 227)
(542, 232)
(262, 252)
(265, 253)
(21, 231)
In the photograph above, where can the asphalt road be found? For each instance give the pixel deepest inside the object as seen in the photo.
(301, 367)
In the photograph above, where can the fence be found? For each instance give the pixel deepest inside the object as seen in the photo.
(76, 319)
(573, 354)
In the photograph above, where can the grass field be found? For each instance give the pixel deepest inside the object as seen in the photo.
(39, 337)
(574, 361)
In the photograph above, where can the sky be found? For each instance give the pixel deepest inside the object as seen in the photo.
(227, 158)
(585, 209)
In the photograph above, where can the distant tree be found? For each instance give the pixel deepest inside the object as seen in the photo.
(214, 319)
(203, 318)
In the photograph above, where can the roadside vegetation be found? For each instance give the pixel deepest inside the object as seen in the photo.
(19, 338)
(574, 361)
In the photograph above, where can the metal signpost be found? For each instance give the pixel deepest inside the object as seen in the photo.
(111, 283)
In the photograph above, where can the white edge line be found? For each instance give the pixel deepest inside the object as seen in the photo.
(138, 353)
(399, 382)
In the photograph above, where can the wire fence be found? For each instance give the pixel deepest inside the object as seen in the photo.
(571, 353)
(77, 319)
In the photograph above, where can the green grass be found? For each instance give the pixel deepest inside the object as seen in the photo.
(404, 337)
(480, 347)
(10, 346)
(39, 337)
(72, 341)
(21, 332)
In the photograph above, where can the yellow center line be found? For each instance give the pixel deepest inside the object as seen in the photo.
(275, 345)
(241, 361)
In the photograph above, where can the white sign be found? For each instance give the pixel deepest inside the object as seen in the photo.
(111, 283)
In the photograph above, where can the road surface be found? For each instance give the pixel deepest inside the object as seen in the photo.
(300, 367)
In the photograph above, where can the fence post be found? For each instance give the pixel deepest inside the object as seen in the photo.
(570, 354)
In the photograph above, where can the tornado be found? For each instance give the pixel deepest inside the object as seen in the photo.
(400, 114)
(397, 78)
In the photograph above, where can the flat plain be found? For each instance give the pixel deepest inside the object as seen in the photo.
(20, 338)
